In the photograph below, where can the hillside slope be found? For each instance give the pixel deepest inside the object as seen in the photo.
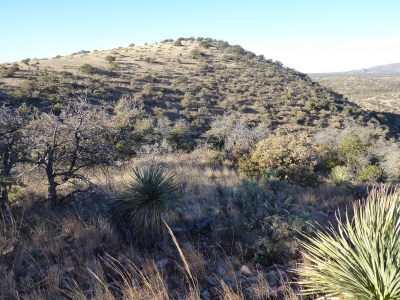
(195, 82)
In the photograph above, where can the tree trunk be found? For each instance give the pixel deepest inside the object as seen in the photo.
(4, 198)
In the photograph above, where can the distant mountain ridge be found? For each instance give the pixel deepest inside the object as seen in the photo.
(390, 70)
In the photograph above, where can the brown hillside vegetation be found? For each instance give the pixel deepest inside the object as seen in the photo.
(187, 169)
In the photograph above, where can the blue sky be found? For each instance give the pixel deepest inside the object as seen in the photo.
(308, 35)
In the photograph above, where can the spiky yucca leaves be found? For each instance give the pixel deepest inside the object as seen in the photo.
(341, 175)
(362, 258)
(137, 216)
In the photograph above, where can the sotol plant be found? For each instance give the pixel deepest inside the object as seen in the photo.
(137, 216)
(362, 258)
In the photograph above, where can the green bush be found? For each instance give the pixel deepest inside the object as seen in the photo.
(265, 219)
(138, 215)
(371, 173)
(110, 58)
(361, 259)
(205, 44)
(293, 155)
(88, 69)
(17, 194)
(178, 43)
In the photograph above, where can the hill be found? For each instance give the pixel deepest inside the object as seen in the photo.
(376, 88)
(390, 70)
(195, 82)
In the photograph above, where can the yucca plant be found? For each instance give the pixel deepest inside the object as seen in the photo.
(362, 259)
(341, 175)
(137, 215)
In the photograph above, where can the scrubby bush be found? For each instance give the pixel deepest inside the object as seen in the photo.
(264, 217)
(138, 215)
(178, 43)
(214, 157)
(295, 156)
(371, 173)
(110, 58)
(361, 259)
(88, 69)
(205, 44)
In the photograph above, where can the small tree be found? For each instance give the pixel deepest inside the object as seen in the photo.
(63, 145)
(13, 147)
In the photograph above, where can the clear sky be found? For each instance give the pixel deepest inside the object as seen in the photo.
(308, 35)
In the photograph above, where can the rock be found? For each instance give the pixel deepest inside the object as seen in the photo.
(221, 271)
(245, 271)
(58, 238)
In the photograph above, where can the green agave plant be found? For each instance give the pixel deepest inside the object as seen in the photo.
(137, 216)
(362, 259)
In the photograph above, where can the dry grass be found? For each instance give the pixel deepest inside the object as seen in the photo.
(69, 251)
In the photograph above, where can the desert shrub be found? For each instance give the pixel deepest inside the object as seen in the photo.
(214, 157)
(88, 69)
(178, 43)
(186, 101)
(295, 156)
(362, 258)
(264, 217)
(205, 44)
(17, 193)
(110, 58)
(57, 108)
(371, 173)
(138, 215)
(148, 60)
(180, 139)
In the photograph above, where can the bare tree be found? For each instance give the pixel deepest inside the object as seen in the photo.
(13, 148)
(64, 145)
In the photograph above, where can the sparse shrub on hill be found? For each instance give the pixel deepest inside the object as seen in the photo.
(178, 42)
(294, 155)
(138, 215)
(180, 138)
(371, 173)
(205, 44)
(361, 259)
(88, 69)
(110, 58)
